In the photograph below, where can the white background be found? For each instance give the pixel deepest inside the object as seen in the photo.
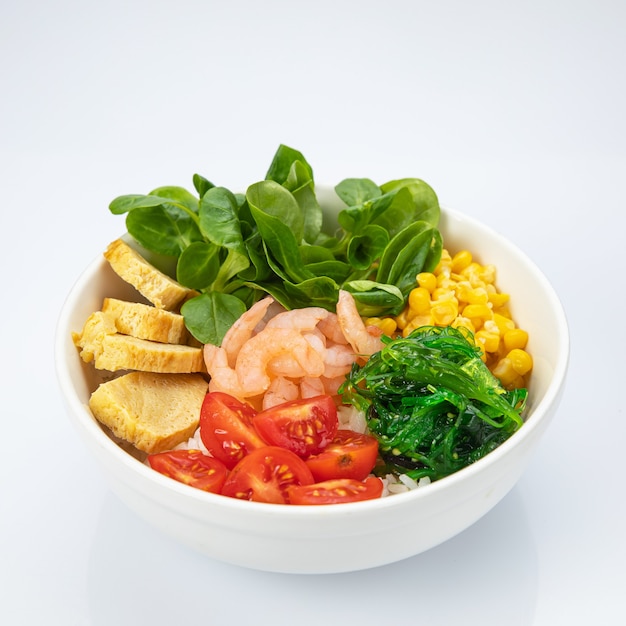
(513, 111)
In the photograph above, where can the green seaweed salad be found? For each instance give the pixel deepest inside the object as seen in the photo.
(432, 403)
(236, 248)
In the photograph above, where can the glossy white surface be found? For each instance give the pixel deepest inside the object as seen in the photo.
(323, 540)
(512, 111)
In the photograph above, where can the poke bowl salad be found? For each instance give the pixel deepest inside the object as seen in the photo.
(270, 349)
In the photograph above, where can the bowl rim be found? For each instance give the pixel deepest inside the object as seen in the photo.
(84, 420)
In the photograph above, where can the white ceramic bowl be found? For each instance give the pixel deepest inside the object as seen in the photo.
(345, 537)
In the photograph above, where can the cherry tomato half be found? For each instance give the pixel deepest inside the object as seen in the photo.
(266, 474)
(191, 467)
(336, 491)
(304, 426)
(226, 428)
(349, 455)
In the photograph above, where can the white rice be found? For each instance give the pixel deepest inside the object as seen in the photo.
(401, 484)
(351, 418)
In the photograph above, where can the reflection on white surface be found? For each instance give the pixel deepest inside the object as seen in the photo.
(136, 575)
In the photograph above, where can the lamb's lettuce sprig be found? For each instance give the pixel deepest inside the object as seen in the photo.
(235, 248)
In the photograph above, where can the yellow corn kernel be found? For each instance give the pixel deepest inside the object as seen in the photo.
(488, 273)
(491, 327)
(427, 280)
(445, 282)
(463, 290)
(443, 293)
(445, 263)
(489, 340)
(386, 324)
(465, 322)
(521, 361)
(504, 311)
(478, 311)
(505, 324)
(402, 319)
(416, 322)
(498, 299)
(444, 312)
(389, 326)
(373, 321)
(515, 338)
(478, 295)
(471, 270)
(505, 372)
(419, 301)
(461, 260)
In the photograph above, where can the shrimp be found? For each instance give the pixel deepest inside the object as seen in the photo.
(244, 328)
(272, 310)
(271, 355)
(331, 329)
(281, 390)
(362, 342)
(223, 377)
(317, 341)
(298, 319)
(311, 387)
(338, 361)
(287, 365)
(261, 349)
(331, 385)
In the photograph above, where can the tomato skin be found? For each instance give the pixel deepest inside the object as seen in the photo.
(305, 426)
(226, 428)
(191, 467)
(266, 474)
(337, 491)
(349, 455)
